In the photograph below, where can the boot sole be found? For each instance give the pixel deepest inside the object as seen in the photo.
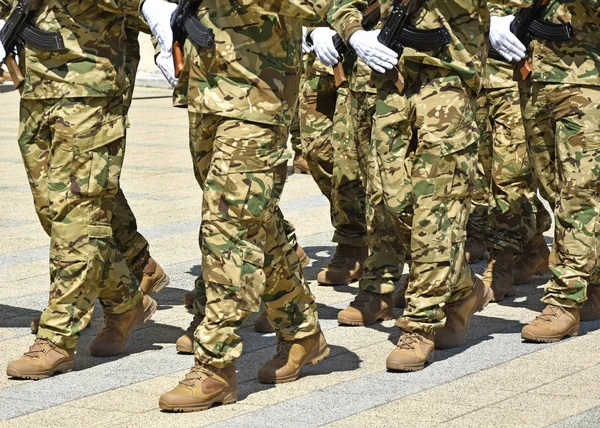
(229, 398)
(184, 350)
(61, 368)
(348, 322)
(549, 339)
(395, 367)
(160, 283)
(141, 319)
(311, 359)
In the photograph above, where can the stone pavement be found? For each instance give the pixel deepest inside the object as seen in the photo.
(494, 380)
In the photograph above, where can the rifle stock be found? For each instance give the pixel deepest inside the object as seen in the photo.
(14, 71)
(339, 74)
(177, 58)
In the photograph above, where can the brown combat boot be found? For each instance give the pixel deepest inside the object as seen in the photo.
(118, 327)
(154, 278)
(534, 261)
(291, 356)
(475, 249)
(185, 343)
(300, 165)
(552, 325)
(203, 387)
(262, 324)
(591, 308)
(411, 353)
(498, 275)
(304, 259)
(458, 315)
(367, 308)
(345, 266)
(188, 299)
(42, 360)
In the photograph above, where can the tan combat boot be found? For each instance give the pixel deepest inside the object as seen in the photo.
(42, 360)
(534, 261)
(367, 308)
(300, 165)
(34, 325)
(203, 387)
(188, 299)
(292, 356)
(498, 275)
(591, 308)
(345, 266)
(262, 324)
(552, 325)
(411, 353)
(118, 327)
(185, 343)
(475, 250)
(458, 315)
(304, 259)
(154, 278)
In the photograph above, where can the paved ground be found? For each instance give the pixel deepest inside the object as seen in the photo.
(494, 380)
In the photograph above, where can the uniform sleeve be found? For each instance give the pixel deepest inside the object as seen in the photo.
(309, 11)
(129, 7)
(347, 16)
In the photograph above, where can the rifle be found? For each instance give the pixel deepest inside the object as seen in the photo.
(396, 34)
(18, 32)
(184, 24)
(370, 19)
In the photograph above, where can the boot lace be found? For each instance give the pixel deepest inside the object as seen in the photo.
(283, 350)
(494, 268)
(341, 258)
(197, 373)
(37, 348)
(109, 323)
(548, 316)
(407, 340)
(360, 300)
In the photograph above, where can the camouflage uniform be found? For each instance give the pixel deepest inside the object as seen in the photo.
(426, 145)
(72, 142)
(561, 115)
(326, 155)
(239, 109)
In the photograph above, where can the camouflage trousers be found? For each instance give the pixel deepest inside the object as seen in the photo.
(383, 266)
(561, 122)
(246, 256)
(426, 147)
(73, 153)
(516, 214)
(324, 152)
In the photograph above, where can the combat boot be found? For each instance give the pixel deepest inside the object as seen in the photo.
(498, 275)
(304, 259)
(591, 308)
(300, 165)
(291, 356)
(533, 261)
(42, 360)
(154, 278)
(411, 353)
(458, 315)
(188, 299)
(475, 249)
(367, 308)
(34, 325)
(118, 327)
(552, 325)
(185, 343)
(262, 324)
(400, 296)
(345, 266)
(203, 387)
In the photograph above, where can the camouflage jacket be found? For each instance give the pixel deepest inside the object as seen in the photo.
(252, 72)
(92, 63)
(467, 21)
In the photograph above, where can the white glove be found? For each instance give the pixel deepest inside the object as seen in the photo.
(158, 15)
(373, 53)
(322, 40)
(2, 51)
(306, 48)
(503, 40)
(165, 64)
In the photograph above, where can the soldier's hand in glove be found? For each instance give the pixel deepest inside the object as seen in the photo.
(166, 66)
(158, 15)
(306, 48)
(2, 51)
(503, 40)
(373, 53)
(322, 40)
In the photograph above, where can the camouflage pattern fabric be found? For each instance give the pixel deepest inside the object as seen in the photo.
(73, 153)
(246, 254)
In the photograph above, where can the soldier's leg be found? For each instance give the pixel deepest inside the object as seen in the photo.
(576, 238)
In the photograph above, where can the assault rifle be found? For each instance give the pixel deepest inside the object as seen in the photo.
(528, 24)
(397, 34)
(18, 32)
(184, 24)
(347, 55)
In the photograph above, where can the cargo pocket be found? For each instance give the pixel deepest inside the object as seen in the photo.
(97, 159)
